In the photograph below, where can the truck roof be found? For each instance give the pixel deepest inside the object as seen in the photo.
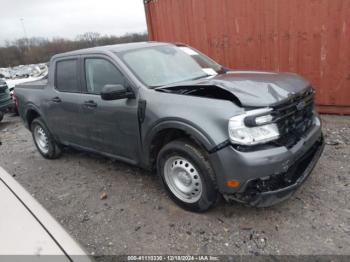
(110, 48)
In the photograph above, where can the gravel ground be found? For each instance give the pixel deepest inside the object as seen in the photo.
(135, 216)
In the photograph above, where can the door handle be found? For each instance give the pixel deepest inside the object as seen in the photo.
(56, 99)
(90, 103)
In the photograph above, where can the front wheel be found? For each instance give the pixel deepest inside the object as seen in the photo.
(43, 140)
(1, 116)
(187, 175)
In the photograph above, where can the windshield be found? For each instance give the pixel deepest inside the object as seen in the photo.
(167, 64)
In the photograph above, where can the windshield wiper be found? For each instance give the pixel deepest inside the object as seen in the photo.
(198, 77)
(186, 80)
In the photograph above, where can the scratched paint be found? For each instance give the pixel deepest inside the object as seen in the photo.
(309, 37)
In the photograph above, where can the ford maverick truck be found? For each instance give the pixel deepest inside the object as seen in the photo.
(249, 136)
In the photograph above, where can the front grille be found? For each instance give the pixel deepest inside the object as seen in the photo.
(294, 118)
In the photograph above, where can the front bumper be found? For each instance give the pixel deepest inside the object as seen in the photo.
(275, 189)
(267, 176)
(8, 106)
(6, 102)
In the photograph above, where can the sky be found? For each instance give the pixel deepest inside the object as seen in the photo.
(69, 18)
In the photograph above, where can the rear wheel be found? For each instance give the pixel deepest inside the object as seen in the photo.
(43, 140)
(187, 175)
(1, 116)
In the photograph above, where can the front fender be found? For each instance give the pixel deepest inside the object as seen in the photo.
(180, 124)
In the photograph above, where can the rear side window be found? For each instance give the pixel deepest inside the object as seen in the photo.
(100, 72)
(67, 76)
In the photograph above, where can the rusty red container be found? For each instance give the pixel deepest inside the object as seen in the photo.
(309, 37)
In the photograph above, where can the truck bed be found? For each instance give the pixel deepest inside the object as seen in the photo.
(30, 93)
(37, 84)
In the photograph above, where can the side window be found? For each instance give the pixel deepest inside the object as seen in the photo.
(100, 72)
(67, 76)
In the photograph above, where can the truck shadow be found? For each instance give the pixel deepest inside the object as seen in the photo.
(115, 169)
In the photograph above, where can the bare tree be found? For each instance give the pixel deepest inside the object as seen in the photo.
(38, 49)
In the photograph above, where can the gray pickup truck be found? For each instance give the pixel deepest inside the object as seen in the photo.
(252, 137)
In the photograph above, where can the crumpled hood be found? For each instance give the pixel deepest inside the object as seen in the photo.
(254, 88)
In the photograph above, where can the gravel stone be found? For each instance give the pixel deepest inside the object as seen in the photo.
(139, 218)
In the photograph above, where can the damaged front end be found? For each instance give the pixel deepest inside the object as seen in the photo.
(245, 88)
(270, 190)
(274, 143)
(206, 91)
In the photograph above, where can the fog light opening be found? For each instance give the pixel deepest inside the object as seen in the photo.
(233, 183)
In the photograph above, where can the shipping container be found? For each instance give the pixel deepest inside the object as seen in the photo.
(309, 37)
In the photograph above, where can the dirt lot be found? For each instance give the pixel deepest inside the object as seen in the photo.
(137, 217)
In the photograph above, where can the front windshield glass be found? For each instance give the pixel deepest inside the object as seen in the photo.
(168, 64)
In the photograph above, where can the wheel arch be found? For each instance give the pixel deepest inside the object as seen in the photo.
(32, 112)
(167, 131)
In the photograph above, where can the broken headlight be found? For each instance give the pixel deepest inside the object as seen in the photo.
(253, 127)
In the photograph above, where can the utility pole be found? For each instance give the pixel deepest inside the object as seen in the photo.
(26, 40)
(23, 27)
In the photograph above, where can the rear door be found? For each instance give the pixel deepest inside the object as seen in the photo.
(112, 125)
(64, 111)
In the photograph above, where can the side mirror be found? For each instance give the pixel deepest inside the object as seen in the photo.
(115, 92)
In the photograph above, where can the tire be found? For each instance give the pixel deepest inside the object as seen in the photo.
(187, 175)
(1, 116)
(44, 141)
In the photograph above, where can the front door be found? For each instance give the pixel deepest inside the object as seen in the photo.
(112, 125)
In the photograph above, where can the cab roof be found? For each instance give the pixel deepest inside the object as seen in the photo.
(110, 48)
